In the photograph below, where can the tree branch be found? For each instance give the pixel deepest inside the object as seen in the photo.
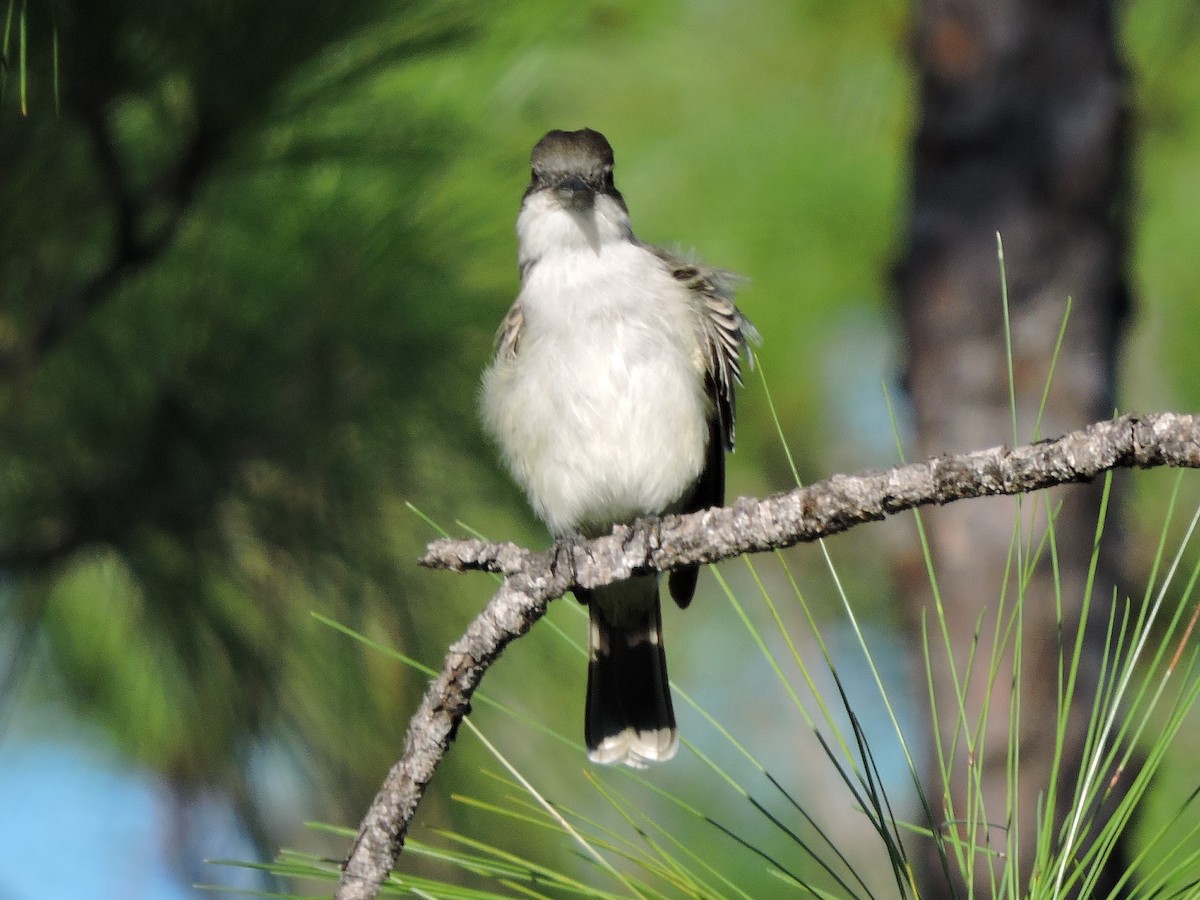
(533, 579)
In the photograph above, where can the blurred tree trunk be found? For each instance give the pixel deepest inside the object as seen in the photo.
(1023, 131)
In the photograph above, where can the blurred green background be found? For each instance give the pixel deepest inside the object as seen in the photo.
(252, 256)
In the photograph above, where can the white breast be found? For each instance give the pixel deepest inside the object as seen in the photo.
(602, 414)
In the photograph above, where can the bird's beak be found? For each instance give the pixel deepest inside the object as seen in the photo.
(573, 191)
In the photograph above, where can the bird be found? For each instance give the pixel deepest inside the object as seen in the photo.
(611, 397)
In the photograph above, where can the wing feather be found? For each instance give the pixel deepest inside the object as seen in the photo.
(508, 336)
(725, 333)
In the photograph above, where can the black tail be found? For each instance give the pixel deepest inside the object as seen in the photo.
(629, 716)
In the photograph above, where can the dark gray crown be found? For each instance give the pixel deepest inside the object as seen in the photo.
(563, 157)
(572, 152)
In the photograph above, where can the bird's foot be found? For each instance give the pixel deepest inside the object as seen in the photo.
(565, 549)
(649, 529)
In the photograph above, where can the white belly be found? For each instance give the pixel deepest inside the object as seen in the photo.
(602, 415)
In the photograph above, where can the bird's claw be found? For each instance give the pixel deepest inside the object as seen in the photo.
(565, 549)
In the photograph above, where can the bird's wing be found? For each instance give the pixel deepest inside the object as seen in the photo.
(508, 336)
(724, 331)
